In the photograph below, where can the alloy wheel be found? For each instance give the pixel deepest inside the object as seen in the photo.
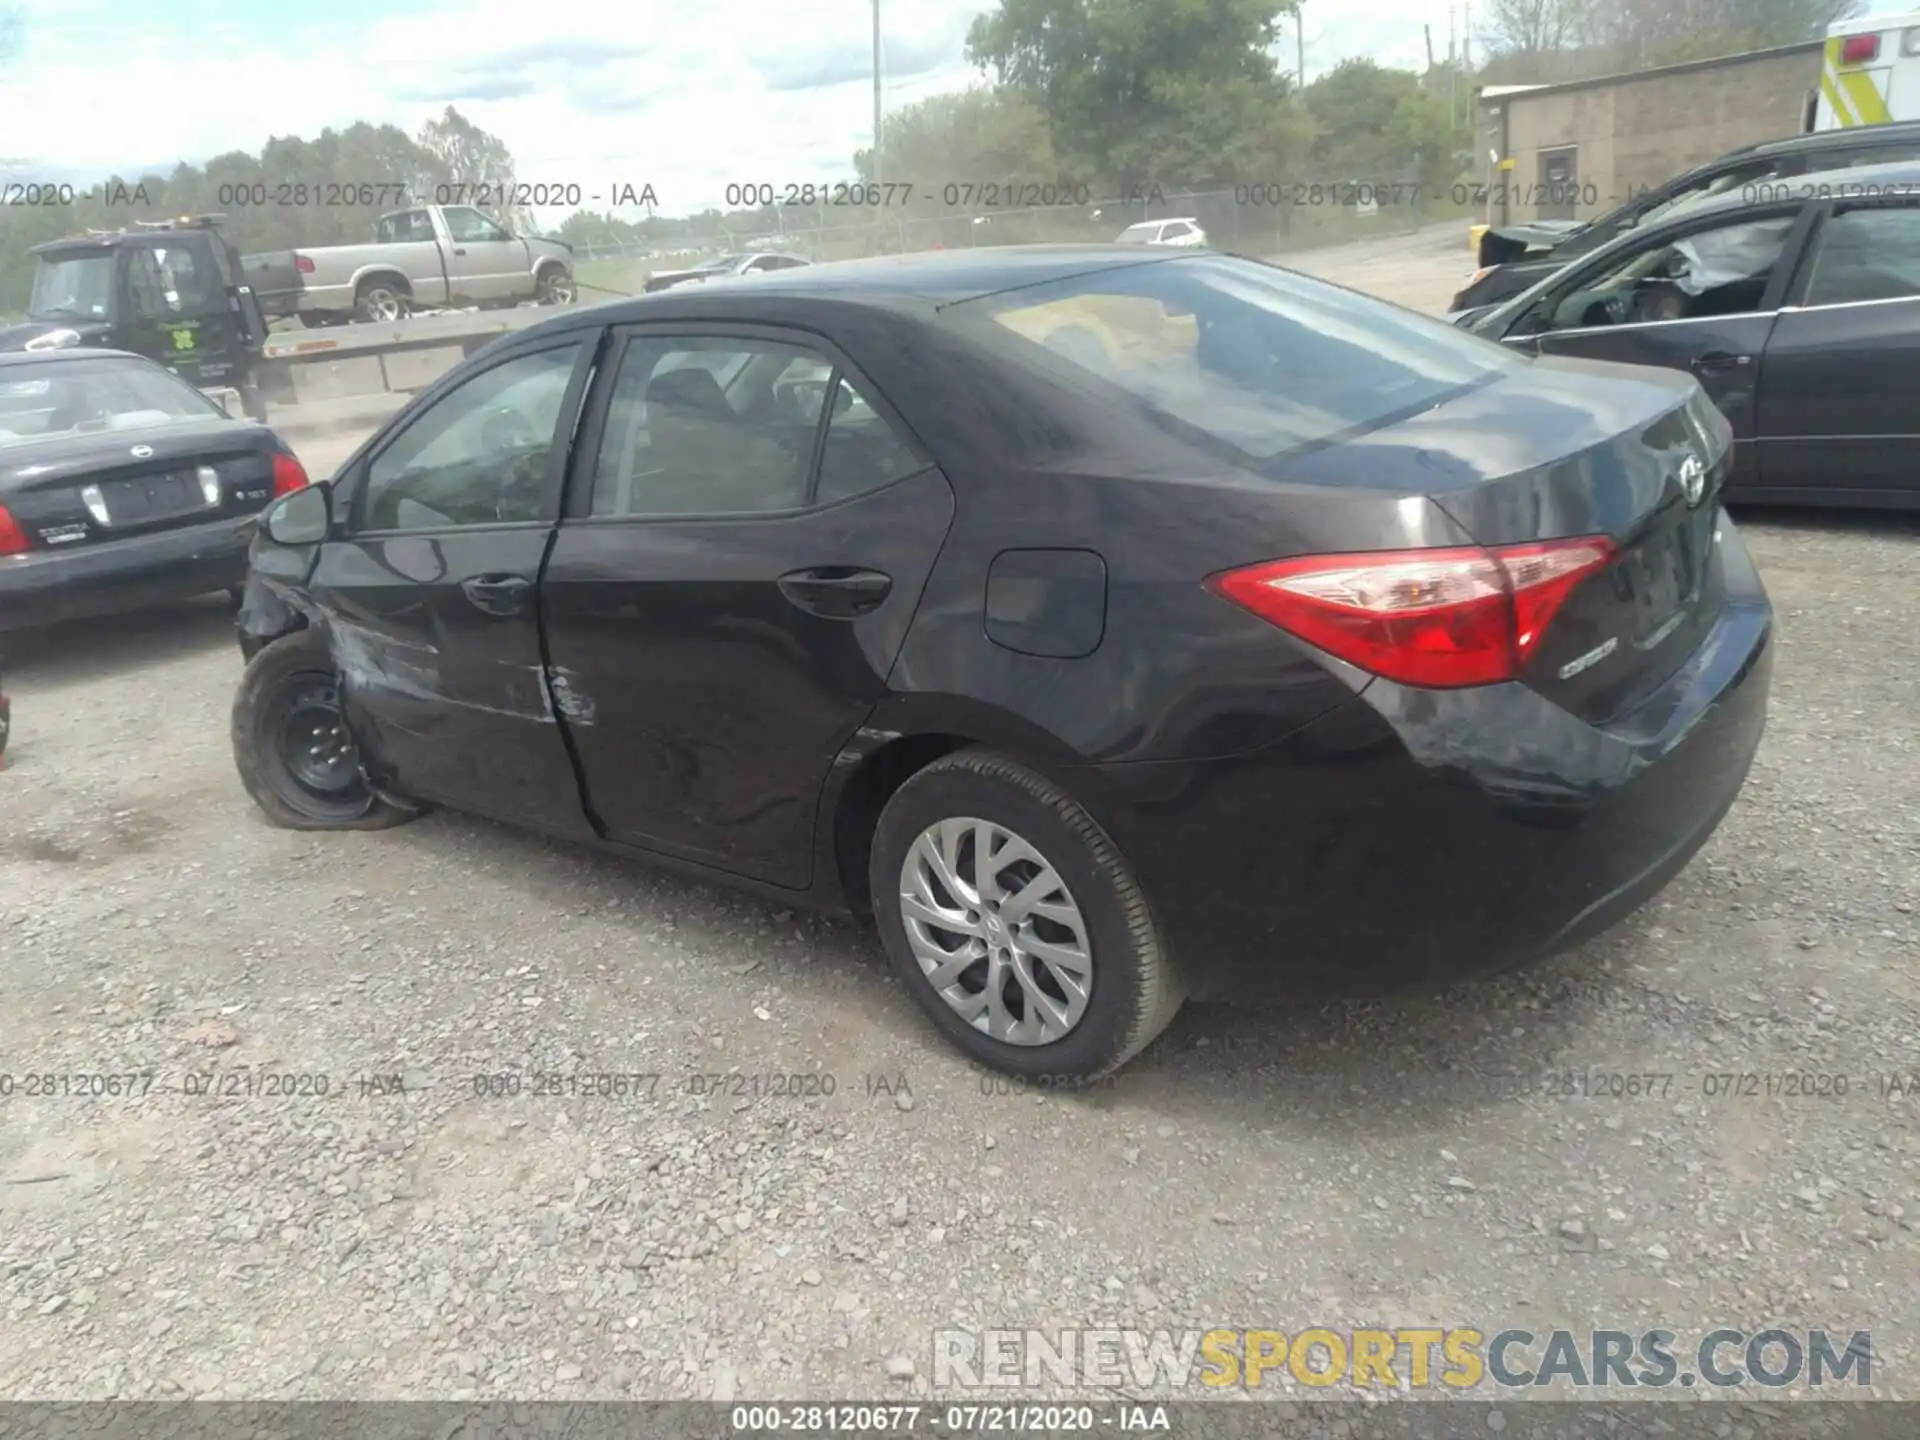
(996, 931)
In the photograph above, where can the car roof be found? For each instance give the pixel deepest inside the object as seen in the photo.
(1853, 137)
(1851, 181)
(55, 357)
(924, 280)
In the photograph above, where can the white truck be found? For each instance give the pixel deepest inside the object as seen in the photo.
(429, 257)
(1869, 73)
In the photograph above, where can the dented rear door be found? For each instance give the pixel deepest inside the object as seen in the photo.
(431, 597)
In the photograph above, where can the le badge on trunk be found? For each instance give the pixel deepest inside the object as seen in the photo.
(1693, 478)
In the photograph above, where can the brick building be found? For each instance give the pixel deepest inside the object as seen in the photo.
(1581, 147)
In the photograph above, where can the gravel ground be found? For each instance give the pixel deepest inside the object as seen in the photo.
(408, 1234)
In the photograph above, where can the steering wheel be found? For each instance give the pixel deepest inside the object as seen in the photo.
(804, 398)
(506, 429)
(522, 481)
(1604, 310)
(1662, 301)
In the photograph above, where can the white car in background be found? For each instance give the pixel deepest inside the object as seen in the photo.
(1184, 231)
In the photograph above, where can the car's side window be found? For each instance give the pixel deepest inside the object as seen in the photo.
(1712, 185)
(707, 426)
(469, 226)
(1866, 254)
(862, 452)
(1720, 271)
(476, 456)
(1885, 155)
(146, 284)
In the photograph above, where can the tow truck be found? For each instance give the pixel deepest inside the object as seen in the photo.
(172, 290)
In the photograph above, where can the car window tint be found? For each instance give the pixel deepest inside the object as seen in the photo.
(1885, 155)
(1869, 254)
(862, 452)
(89, 396)
(707, 427)
(476, 456)
(1262, 358)
(469, 226)
(1709, 187)
(1720, 271)
(146, 285)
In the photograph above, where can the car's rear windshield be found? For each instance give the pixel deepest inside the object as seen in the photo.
(78, 397)
(1260, 358)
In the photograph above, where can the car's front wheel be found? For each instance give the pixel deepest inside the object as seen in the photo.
(1011, 916)
(292, 747)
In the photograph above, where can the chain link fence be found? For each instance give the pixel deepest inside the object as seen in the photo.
(1260, 220)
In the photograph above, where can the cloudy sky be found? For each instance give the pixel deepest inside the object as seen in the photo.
(687, 95)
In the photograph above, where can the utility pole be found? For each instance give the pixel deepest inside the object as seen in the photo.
(1466, 37)
(1453, 68)
(876, 92)
(1300, 50)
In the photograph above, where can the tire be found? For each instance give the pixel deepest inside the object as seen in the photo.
(282, 687)
(381, 300)
(1132, 991)
(555, 287)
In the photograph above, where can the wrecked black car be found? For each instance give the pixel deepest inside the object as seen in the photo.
(1105, 624)
(1514, 257)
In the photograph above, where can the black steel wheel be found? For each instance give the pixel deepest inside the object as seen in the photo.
(292, 746)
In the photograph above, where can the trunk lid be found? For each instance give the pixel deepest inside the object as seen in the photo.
(1565, 448)
(76, 490)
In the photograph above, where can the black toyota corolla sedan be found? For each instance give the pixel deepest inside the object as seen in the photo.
(121, 485)
(1111, 628)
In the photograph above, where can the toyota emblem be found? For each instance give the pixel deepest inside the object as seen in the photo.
(143, 452)
(1693, 479)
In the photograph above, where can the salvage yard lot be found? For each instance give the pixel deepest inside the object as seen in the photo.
(468, 1210)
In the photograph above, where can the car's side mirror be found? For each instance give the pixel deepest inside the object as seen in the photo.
(842, 399)
(301, 518)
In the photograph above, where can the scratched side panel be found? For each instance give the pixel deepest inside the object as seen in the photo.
(447, 696)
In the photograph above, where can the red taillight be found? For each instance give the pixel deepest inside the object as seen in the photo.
(303, 264)
(1436, 618)
(13, 540)
(288, 475)
(1858, 49)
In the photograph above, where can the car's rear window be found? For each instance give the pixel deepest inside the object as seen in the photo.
(66, 396)
(1260, 358)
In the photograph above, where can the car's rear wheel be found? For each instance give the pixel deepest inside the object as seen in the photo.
(292, 747)
(381, 300)
(1013, 919)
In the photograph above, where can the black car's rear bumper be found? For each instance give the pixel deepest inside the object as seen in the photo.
(43, 586)
(1412, 836)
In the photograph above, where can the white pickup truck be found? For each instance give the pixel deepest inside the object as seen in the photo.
(430, 257)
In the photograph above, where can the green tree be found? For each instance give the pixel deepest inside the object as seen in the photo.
(1137, 90)
(475, 162)
(294, 193)
(975, 135)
